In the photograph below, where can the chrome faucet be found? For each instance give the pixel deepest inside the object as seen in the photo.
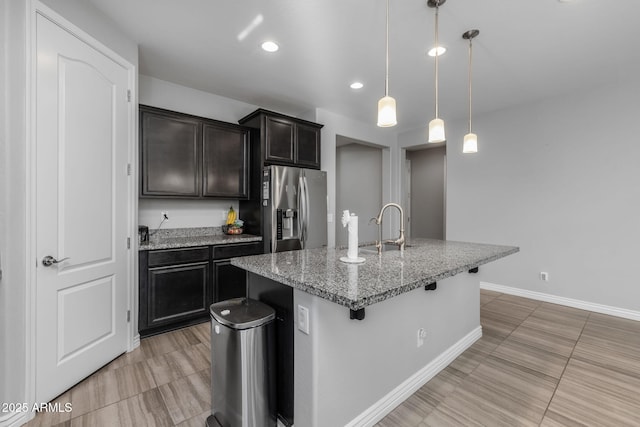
(378, 220)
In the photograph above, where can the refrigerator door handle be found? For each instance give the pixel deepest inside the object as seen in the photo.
(306, 207)
(300, 203)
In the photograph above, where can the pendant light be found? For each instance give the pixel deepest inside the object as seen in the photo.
(436, 126)
(386, 104)
(470, 143)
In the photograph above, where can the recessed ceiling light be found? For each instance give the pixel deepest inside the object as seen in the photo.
(440, 50)
(356, 85)
(270, 46)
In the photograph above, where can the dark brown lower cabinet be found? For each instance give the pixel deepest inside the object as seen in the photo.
(175, 289)
(230, 281)
(178, 292)
(177, 286)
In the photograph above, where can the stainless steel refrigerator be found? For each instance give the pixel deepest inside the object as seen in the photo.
(294, 208)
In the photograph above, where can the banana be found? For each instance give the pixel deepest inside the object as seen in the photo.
(231, 216)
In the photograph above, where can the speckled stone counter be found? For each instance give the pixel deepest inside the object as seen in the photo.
(172, 238)
(320, 272)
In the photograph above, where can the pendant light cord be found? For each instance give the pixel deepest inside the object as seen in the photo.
(386, 78)
(470, 65)
(437, 55)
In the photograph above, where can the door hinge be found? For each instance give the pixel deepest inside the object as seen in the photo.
(128, 168)
(128, 316)
(128, 242)
(128, 95)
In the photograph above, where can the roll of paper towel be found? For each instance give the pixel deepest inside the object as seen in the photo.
(350, 220)
(352, 229)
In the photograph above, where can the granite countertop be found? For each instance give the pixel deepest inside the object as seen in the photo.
(172, 238)
(320, 271)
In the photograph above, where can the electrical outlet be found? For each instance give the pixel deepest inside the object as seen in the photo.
(303, 319)
(223, 216)
(421, 335)
(164, 216)
(544, 276)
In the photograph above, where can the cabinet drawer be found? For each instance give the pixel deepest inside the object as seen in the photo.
(178, 256)
(230, 251)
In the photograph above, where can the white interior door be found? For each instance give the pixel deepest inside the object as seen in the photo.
(82, 209)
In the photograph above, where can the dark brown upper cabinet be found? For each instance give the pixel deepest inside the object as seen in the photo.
(286, 140)
(170, 154)
(279, 135)
(308, 145)
(225, 152)
(184, 156)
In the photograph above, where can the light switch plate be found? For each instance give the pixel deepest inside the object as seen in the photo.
(303, 319)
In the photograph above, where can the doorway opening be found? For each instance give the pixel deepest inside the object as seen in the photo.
(425, 191)
(358, 186)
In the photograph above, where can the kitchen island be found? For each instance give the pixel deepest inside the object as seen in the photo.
(353, 372)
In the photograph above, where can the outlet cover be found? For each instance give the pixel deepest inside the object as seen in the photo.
(421, 335)
(303, 319)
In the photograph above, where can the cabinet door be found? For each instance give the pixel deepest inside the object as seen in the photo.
(170, 154)
(279, 135)
(308, 146)
(225, 161)
(229, 281)
(177, 293)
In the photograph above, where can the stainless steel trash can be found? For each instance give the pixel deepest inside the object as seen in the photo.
(242, 364)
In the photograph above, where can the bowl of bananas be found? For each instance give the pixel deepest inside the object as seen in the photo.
(233, 225)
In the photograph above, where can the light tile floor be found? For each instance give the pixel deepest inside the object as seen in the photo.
(164, 382)
(536, 364)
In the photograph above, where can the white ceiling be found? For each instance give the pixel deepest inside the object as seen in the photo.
(526, 50)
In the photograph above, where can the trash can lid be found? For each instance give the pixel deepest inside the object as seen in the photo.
(242, 313)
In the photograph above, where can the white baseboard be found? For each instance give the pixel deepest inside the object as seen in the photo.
(136, 342)
(13, 419)
(398, 395)
(569, 302)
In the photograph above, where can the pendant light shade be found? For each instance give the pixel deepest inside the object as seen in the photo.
(470, 142)
(436, 130)
(386, 104)
(387, 112)
(436, 126)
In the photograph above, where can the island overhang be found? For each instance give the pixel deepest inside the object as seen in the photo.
(321, 273)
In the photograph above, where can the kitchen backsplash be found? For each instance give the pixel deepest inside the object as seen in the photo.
(184, 213)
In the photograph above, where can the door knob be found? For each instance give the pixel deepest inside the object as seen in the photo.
(49, 260)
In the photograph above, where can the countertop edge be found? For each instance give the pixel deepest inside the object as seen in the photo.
(190, 242)
(364, 302)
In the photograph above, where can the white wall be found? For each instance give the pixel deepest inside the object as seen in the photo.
(13, 232)
(427, 192)
(560, 179)
(359, 174)
(187, 213)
